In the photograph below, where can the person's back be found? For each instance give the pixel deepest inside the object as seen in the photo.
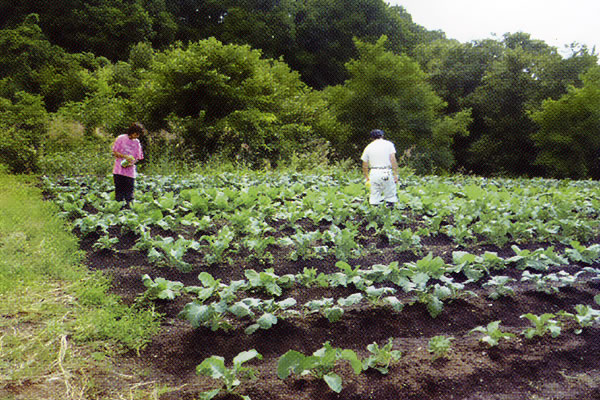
(380, 169)
(378, 152)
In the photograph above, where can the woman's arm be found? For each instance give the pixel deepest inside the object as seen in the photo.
(128, 157)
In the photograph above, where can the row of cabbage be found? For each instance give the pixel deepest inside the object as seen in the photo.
(216, 215)
(428, 280)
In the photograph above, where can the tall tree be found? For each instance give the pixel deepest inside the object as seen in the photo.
(30, 63)
(104, 27)
(227, 98)
(390, 92)
(514, 84)
(568, 139)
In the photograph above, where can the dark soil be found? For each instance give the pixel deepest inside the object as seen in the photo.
(566, 367)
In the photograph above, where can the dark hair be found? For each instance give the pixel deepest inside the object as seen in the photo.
(136, 127)
(376, 133)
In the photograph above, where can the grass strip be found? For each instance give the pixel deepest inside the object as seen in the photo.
(59, 325)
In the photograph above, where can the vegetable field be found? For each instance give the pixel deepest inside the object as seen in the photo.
(290, 286)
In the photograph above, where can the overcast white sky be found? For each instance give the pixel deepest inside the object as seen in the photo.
(557, 22)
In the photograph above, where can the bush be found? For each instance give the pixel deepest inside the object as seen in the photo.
(68, 150)
(16, 151)
(96, 160)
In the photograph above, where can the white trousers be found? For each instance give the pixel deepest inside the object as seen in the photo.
(383, 187)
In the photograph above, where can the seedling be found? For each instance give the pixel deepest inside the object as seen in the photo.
(105, 242)
(218, 245)
(160, 288)
(311, 277)
(580, 253)
(210, 316)
(270, 310)
(492, 333)
(541, 325)
(499, 287)
(326, 308)
(320, 364)
(381, 357)
(439, 346)
(268, 282)
(586, 316)
(214, 367)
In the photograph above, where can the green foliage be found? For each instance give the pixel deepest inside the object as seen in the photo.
(399, 100)
(320, 364)
(526, 73)
(132, 328)
(34, 65)
(214, 367)
(381, 357)
(161, 288)
(327, 308)
(492, 333)
(566, 140)
(22, 125)
(542, 324)
(210, 316)
(108, 104)
(439, 346)
(585, 317)
(227, 98)
(499, 287)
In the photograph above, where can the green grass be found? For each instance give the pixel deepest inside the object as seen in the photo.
(57, 320)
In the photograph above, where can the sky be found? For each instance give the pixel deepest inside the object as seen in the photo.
(556, 22)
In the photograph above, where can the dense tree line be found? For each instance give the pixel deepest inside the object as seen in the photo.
(262, 80)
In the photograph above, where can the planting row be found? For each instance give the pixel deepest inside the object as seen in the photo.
(225, 209)
(321, 364)
(429, 281)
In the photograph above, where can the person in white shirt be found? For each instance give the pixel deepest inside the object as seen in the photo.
(380, 169)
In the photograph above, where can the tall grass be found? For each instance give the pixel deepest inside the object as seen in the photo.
(53, 312)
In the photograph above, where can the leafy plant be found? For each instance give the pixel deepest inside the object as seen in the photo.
(435, 267)
(214, 367)
(160, 288)
(499, 287)
(580, 253)
(320, 364)
(310, 277)
(207, 315)
(492, 333)
(304, 245)
(439, 346)
(268, 281)
(381, 357)
(377, 296)
(404, 240)
(550, 283)
(542, 324)
(258, 246)
(540, 259)
(105, 242)
(326, 307)
(349, 275)
(586, 316)
(344, 241)
(270, 311)
(218, 245)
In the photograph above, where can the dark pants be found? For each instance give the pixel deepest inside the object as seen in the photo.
(124, 186)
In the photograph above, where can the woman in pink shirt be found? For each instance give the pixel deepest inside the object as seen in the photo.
(127, 151)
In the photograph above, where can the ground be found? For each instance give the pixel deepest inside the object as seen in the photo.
(565, 367)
